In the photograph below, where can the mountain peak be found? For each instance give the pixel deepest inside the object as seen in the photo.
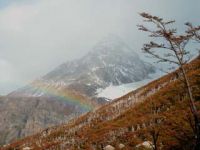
(111, 38)
(111, 43)
(111, 62)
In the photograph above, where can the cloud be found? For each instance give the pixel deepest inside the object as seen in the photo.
(36, 36)
(6, 70)
(7, 82)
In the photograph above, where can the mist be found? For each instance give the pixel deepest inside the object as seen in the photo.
(38, 35)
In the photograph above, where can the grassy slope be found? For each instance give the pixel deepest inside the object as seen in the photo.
(161, 106)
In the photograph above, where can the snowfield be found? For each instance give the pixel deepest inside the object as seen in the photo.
(113, 92)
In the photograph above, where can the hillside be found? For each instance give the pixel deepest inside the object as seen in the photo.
(161, 106)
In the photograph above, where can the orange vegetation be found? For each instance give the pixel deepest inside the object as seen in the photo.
(159, 107)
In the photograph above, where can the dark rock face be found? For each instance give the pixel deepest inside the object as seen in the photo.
(21, 117)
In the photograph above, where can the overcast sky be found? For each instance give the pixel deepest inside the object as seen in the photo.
(38, 35)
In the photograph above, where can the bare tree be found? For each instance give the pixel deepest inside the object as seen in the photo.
(193, 31)
(155, 129)
(154, 134)
(169, 46)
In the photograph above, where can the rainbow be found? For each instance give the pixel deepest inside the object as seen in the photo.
(61, 94)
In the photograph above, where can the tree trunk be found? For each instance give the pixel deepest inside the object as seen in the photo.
(193, 110)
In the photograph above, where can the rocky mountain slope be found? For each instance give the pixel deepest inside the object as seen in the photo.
(130, 122)
(70, 89)
(110, 62)
(23, 116)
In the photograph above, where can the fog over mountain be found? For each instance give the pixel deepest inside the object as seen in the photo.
(110, 62)
(38, 35)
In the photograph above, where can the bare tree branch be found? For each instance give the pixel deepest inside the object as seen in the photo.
(176, 52)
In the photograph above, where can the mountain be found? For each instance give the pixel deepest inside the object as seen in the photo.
(110, 62)
(70, 90)
(23, 116)
(131, 121)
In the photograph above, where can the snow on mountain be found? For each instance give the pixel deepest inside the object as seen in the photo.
(112, 92)
(110, 62)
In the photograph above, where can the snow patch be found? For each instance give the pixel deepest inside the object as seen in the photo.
(113, 92)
